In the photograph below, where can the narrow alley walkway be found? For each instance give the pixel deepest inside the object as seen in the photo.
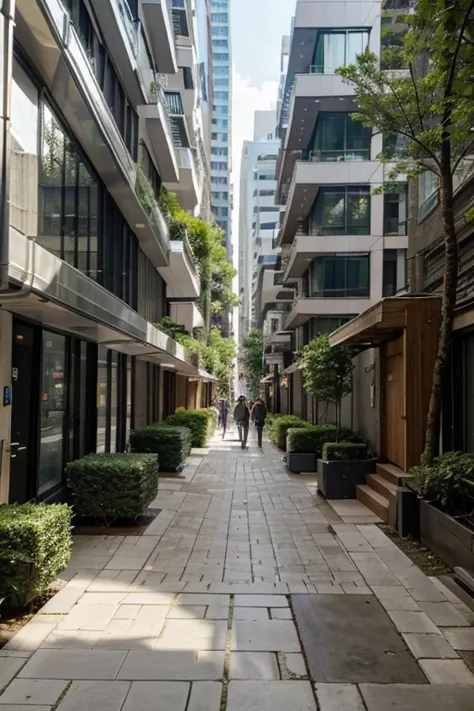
(247, 592)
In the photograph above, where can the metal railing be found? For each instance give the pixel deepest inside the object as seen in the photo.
(130, 24)
(362, 292)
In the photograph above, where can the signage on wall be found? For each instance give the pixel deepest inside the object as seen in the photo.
(7, 395)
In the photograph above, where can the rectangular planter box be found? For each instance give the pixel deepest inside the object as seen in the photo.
(451, 541)
(338, 479)
(301, 462)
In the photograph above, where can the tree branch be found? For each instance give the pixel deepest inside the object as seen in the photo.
(462, 155)
(417, 96)
(452, 69)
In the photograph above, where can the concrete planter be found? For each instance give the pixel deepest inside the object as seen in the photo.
(450, 540)
(339, 479)
(301, 462)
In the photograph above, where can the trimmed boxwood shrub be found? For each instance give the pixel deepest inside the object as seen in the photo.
(281, 425)
(198, 421)
(110, 486)
(35, 545)
(314, 437)
(344, 451)
(171, 444)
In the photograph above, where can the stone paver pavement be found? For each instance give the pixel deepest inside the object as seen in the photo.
(197, 614)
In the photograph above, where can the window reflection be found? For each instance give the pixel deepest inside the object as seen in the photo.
(53, 406)
(102, 388)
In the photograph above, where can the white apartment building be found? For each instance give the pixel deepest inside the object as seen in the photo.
(344, 245)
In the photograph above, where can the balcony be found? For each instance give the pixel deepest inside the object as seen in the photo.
(306, 247)
(182, 280)
(309, 176)
(305, 308)
(189, 187)
(158, 127)
(123, 36)
(54, 47)
(278, 341)
(186, 314)
(159, 24)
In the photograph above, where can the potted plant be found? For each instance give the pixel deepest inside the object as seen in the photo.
(304, 445)
(446, 490)
(342, 467)
(279, 428)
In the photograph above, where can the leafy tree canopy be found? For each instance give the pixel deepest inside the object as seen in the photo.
(252, 352)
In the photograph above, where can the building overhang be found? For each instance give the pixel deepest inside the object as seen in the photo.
(305, 248)
(189, 187)
(158, 128)
(180, 275)
(306, 308)
(382, 322)
(58, 296)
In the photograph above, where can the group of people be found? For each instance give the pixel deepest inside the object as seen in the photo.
(244, 413)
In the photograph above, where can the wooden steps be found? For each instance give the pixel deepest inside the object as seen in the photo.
(379, 494)
(374, 501)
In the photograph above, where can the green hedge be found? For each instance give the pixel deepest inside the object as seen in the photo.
(344, 451)
(109, 486)
(448, 482)
(280, 426)
(171, 444)
(314, 437)
(35, 545)
(200, 422)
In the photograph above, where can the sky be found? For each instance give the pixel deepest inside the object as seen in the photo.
(257, 27)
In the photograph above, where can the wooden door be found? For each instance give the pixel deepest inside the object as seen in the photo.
(395, 422)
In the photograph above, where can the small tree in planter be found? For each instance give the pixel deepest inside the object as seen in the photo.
(327, 373)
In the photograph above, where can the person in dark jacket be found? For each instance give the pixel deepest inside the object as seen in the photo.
(259, 415)
(242, 420)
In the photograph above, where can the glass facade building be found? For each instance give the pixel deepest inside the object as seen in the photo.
(221, 137)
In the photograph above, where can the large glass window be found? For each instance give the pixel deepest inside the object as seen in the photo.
(340, 277)
(102, 398)
(341, 211)
(428, 193)
(338, 137)
(338, 49)
(52, 414)
(113, 359)
(395, 213)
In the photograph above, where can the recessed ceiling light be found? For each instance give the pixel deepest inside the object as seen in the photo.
(140, 226)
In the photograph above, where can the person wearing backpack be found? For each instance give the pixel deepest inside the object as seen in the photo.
(259, 414)
(242, 420)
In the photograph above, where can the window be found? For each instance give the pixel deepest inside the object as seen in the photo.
(337, 137)
(264, 176)
(340, 277)
(337, 49)
(221, 110)
(220, 123)
(221, 211)
(223, 95)
(267, 156)
(321, 324)
(265, 193)
(395, 146)
(53, 410)
(219, 151)
(428, 193)
(341, 211)
(222, 17)
(221, 82)
(220, 43)
(218, 165)
(220, 57)
(221, 71)
(389, 284)
(395, 213)
(220, 31)
(220, 137)
(269, 208)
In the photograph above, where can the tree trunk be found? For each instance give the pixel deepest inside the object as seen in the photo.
(448, 304)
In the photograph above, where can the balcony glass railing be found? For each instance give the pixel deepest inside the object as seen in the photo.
(357, 292)
(130, 24)
(337, 156)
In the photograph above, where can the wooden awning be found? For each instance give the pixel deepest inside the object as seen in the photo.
(382, 322)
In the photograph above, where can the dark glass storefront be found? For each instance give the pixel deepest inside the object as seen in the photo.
(74, 399)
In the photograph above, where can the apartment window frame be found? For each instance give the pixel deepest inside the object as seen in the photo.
(319, 273)
(319, 57)
(428, 193)
(348, 193)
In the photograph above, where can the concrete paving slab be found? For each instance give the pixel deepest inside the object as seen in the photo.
(264, 636)
(350, 639)
(260, 601)
(444, 614)
(292, 666)
(100, 695)
(193, 634)
(160, 695)
(172, 666)
(33, 691)
(460, 638)
(447, 671)
(251, 613)
(429, 646)
(253, 665)
(270, 696)
(9, 668)
(73, 664)
(338, 697)
(413, 697)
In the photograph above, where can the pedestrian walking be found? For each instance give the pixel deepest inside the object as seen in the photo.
(223, 414)
(259, 415)
(242, 420)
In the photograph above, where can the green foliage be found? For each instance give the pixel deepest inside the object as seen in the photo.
(252, 355)
(109, 486)
(171, 444)
(447, 481)
(200, 422)
(280, 426)
(314, 437)
(146, 193)
(35, 545)
(344, 451)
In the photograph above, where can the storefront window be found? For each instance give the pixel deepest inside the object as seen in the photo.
(102, 390)
(113, 357)
(53, 406)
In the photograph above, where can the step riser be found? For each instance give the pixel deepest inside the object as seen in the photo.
(378, 486)
(379, 510)
(391, 476)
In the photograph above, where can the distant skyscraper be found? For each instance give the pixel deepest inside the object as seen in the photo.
(221, 143)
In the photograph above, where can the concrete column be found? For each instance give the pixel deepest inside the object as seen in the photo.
(5, 410)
